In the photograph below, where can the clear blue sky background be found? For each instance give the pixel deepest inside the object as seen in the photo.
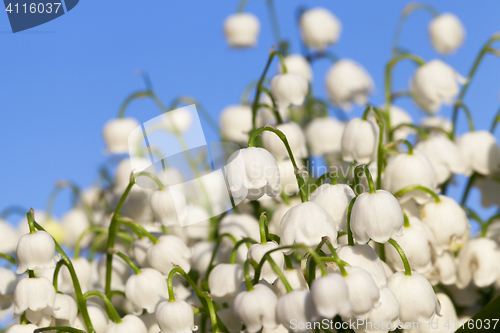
(60, 82)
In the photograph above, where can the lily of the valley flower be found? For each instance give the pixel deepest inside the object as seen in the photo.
(364, 293)
(330, 296)
(129, 324)
(236, 123)
(289, 89)
(169, 251)
(295, 279)
(257, 251)
(35, 294)
(146, 289)
(224, 280)
(296, 305)
(360, 141)
(66, 308)
(447, 33)
(297, 64)
(257, 308)
(335, 200)
(296, 140)
(35, 251)
(478, 262)
(20, 328)
(116, 133)
(324, 136)
(319, 28)
(364, 256)
(387, 314)
(242, 30)
(480, 152)
(169, 206)
(175, 317)
(8, 282)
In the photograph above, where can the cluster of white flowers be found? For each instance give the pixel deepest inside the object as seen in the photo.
(385, 242)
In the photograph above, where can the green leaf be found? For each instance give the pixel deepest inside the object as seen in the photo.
(491, 312)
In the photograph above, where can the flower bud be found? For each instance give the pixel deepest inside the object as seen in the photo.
(296, 140)
(478, 262)
(252, 172)
(319, 28)
(289, 89)
(480, 152)
(331, 296)
(335, 200)
(256, 308)
(363, 292)
(364, 256)
(347, 82)
(324, 136)
(377, 216)
(447, 33)
(169, 206)
(129, 324)
(35, 294)
(175, 317)
(169, 251)
(295, 306)
(146, 289)
(116, 133)
(35, 251)
(360, 141)
(242, 30)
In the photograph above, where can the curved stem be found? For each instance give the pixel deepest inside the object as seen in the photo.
(495, 121)
(281, 135)
(85, 233)
(336, 257)
(278, 271)
(112, 313)
(246, 270)
(274, 108)
(137, 227)
(402, 255)
(350, 239)
(380, 149)
(214, 253)
(274, 21)
(129, 262)
(485, 226)
(398, 142)
(234, 252)
(8, 257)
(461, 105)
(55, 276)
(420, 131)
(59, 329)
(263, 228)
(14, 209)
(130, 98)
(418, 188)
(468, 187)
(406, 220)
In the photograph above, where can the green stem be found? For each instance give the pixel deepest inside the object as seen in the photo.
(112, 313)
(461, 105)
(129, 262)
(262, 227)
(246, 240)
(137, 228)
(399, 142)
(274, 21)
(214, 253)
(468, 187)
(31, 273)
(246, 270)
(420, 131)
(406, 220)
(59, 329)
(281, 135)
(380, 149)
(418, 188)
(14, 209)
(324, 177)
(130, 98)
(153, 177)
(274, 108)
(288, 262)
(486, 225)
(55, 276)
(402, 255)
(495, 122)
(350, 239)
(85, 233)
(336, 257)
(8, 257)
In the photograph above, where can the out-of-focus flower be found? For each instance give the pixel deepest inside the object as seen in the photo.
(129, 324)
(169, 251)
(330, 296)
(169, 206)
(447, 33)
(360, 141)
(116, 133)
(224, 280)
(242, 30)
(295, 306)
(297, 64)
(236, 123)
(335, 200)
(324, 136)
(479, 261)
(288, 89)
(296, 140)
(257, 308)
(146, 289)
(319, 28)
(480, 152)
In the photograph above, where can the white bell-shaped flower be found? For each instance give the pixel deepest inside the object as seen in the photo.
(257, 252)
(236, 123)
(8, 282)
(35, 294)
(201, 256)
(224, 280)
(129, 324)
(240, 226)
(405, 170)
(169, 206)
(435, 125)
(444, 270)
(169, 251)
(74, 223)
(178, 121)
(398, 117)
(295, 279)
(253, 172)
(418, 244)
(67, 308)
(417, 300)
(175, 317)
(125, 168)
(445, 323)
(384, 317)
(83, 272)
(35, 251)
(447, 221)
(242, 30)
(489, 189)
(294, 308)
(116, 133)
(447, 33)
(444, 156)
(365, 257)
(330, 296)
(288, 179)
(307, 224)
(257, 308)
(324, 136)
(289, 89)
(360, 141)
(120, 273)
(146, 289)
(140, 251)
(376, 216)
(8, 237)
(98, 317)
(335, 200)
(21, 328)
(480, 152)
(230, 320)
(433, 84)
(364, 293)
(479, 261)
(347, 82)
(297, 64)
(319, 28)
(296, 139)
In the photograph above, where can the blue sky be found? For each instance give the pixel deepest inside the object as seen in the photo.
(60, 82)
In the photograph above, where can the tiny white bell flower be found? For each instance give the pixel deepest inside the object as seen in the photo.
(257, 308)
(74, 223)
(98, 317)
(202, 254)
(347, 82)
(335, 200)
(242, 30)
(480, 152)
(296, 139)
(8, 237)
(363, 292)
(405, 170)
(306, 223)
(479, 261)
(288, 179)
(236, 123)
(295, 279)
(319, 28)
(489, 189)
(35, 294)
(230, 320)
(67, 308)
(436, 125)
(418, 244)
(197, 225)
(120, 273)
(296, 306)
(289, 89)
(240, 226)
(83, 272)
(178, 121)
(146, 289)
(20, 328)
(140, 251)
(417, 300)
(447, 221)
(364, 256)
(360, 141)
(433, 84)
(444, 156)
(125, 168)
(169, 206)
(297, 64)
(257, 251)
(169, 251)
(35, 251)
(447, 33)
(175, 317)
(398, 117)
(253, 172)
(324, 136)
(444, 270)
(224, 280)
(330, 296)
(377, 216)
(129, 324)
(116, 133)
(441, 324)
(8, 282)
(385, 316)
